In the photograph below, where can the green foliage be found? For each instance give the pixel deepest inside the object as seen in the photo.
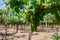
(50, 18)
(7, 1)
(56, 38)
(32, 11)
(1, 11)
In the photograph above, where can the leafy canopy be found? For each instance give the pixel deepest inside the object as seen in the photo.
(34, 10)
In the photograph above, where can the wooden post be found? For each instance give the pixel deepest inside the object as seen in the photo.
(6, 31)
(30, 35)
(17, 28)
(57, 32)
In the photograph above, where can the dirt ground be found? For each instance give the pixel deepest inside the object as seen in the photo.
(24, 35)
(38, 36)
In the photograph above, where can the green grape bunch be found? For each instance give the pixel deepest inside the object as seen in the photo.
(27, 16)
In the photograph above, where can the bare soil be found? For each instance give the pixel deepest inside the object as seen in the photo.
(24, 34)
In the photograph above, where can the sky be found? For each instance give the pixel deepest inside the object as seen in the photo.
(2, 5)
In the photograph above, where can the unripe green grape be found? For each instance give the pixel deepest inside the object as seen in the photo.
(27, 16)
(38, 3)
(49, 0)
(58, 2)
(46, 5)
(31, 18)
